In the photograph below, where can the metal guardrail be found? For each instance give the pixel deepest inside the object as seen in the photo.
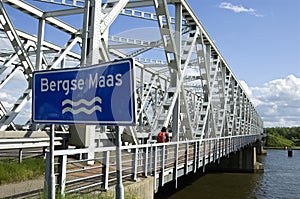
(26, 143)
(21, 143)
(166, 162)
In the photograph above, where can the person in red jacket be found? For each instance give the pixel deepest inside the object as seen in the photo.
(163, 136)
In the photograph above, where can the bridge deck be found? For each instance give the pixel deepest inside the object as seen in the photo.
(166, 162)
(182, 82)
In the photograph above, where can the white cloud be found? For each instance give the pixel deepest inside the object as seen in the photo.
(7, 99)
(246, 88)
(238, 9)
(278, 101)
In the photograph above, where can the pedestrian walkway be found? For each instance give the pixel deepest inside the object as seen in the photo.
(26, 189)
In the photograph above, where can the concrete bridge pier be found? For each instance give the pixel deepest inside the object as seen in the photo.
(242, 161)
(259, 148)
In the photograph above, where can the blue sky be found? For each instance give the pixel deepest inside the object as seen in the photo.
(259, 39)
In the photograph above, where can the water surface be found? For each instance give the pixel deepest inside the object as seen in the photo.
(280, 180)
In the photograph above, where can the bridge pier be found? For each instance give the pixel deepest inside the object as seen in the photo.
(259, 148)
(241, 161)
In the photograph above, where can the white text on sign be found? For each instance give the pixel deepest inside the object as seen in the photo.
(92, 82)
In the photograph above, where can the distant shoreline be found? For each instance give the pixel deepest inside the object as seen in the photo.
(282, 148)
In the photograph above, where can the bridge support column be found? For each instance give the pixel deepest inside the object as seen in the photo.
(243, 161)
(259, 148)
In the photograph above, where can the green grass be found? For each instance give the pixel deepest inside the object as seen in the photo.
(296, 147)
(278, 141)
(101, 195)
(12, 171)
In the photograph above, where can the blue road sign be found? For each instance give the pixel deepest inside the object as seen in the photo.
(101, 94)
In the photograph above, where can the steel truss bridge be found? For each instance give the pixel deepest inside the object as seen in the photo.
(182, 80)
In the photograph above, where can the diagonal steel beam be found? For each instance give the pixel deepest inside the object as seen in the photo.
(37, 13)
(113, 12)
(64, 51)
(12, 114)
(13, 37)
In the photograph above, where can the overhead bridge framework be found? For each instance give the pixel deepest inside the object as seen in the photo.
(182, 80)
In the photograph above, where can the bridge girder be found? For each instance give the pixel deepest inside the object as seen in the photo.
(190, 89)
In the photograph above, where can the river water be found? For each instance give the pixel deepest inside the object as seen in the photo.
(280, 180)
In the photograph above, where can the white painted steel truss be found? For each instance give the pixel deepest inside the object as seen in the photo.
(183, 82)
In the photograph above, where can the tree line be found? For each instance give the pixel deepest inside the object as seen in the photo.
(283, 136)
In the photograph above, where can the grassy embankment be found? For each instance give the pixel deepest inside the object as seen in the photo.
(275, 141)
(283, 138)
(12, 171)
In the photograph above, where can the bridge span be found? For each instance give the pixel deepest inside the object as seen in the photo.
(182, 82)
(164, 162)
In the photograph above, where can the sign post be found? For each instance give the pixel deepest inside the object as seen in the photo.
(51, 184)
(102, 94)
(119, 185)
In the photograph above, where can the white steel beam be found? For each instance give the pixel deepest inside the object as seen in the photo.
(16, 42)
(114, 7)
(77, 3)
(65, 12)
(37, 13)
(64, 51)
(210, 103)
(12, 114)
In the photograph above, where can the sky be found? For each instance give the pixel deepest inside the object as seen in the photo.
(260, 41)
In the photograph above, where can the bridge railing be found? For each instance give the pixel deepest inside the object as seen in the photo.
(74, 173)
(11, 146)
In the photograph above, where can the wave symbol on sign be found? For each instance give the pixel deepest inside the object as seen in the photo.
(82, 109)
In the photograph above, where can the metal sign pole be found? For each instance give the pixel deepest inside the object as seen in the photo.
(107, 94)
(51, 165)
(119, 186)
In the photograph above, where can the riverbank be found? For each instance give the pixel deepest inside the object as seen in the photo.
(283, 148)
